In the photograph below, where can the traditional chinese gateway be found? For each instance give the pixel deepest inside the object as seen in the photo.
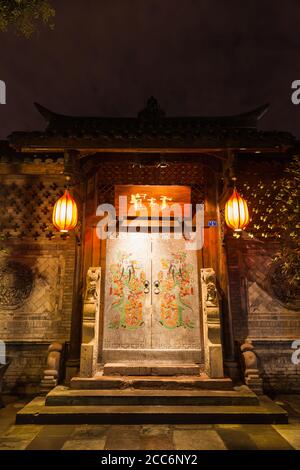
(141, 327)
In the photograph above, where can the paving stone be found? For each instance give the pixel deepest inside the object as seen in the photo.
(227, 426)
(19, 405)
(123, 438)
(26, 431)
(84, 444)
(193, 426)
(156, 437)
(87, 437)
(291, 433)
(292, 400)
(161, 442)
(7, 416)
(5, 424)
(266, 437)
(13, 443)
(155, 430)
(56, 430)
(89, 431)
(235, 438)
(47, 443)
(205, 439)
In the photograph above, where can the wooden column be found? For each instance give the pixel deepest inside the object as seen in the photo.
(211, 234)
(230, 363)
(73, 359)
(214, 256)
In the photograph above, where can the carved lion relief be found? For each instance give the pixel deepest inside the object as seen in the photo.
(211, 299)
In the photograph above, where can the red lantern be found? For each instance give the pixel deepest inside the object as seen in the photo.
(65, 213)
(236, 212)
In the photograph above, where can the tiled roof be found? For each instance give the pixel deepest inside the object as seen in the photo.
(151, 128)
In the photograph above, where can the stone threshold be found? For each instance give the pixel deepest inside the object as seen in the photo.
(99, 382)
(266, 412)
(150, 368)
(64, 396)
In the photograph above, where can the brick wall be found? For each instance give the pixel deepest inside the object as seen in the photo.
(36, 270)
(278, 371)
(260, 316)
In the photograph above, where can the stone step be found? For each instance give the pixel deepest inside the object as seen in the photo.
(150, 368)
(266, 412)
(100, 382)
(64, 396)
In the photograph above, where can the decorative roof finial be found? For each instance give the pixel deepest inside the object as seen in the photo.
(152, 111)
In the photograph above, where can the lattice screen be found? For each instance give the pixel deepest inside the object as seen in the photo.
(26, 207)
(110, 174)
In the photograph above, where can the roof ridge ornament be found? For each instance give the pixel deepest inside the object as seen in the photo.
(152, 111)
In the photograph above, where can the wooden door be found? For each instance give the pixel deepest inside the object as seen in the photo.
(127, 293)
(175, 296)
(151, 301)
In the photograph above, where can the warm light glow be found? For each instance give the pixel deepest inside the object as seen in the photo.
(164, 200)
(236, 212)
(139, 201)
(65, 214)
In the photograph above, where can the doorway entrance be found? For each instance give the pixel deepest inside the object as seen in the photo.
(151, 310)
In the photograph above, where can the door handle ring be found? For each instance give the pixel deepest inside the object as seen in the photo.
(146, 287)
(156, 287)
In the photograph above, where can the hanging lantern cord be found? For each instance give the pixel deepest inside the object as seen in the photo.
(67, 183)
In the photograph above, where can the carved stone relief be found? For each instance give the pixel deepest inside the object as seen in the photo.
(31, 296)
(211, 325)
(211, 292)
(260, 269)
(280, 288)
(90, 323)
(91, 289)
(16, 284)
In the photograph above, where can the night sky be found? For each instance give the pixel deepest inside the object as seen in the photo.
(198, 57)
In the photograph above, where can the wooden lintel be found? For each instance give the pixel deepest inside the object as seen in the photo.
(157, 150)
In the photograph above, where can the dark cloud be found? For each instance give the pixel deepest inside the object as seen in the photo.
(204, 57)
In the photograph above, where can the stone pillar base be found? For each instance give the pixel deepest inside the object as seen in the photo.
(72, 369)
(86, 360)
(90, 324)
(254, 382)
(232, 369)
(47, 384)
(211, 325)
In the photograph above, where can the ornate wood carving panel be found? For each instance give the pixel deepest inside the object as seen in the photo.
(111, 174)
